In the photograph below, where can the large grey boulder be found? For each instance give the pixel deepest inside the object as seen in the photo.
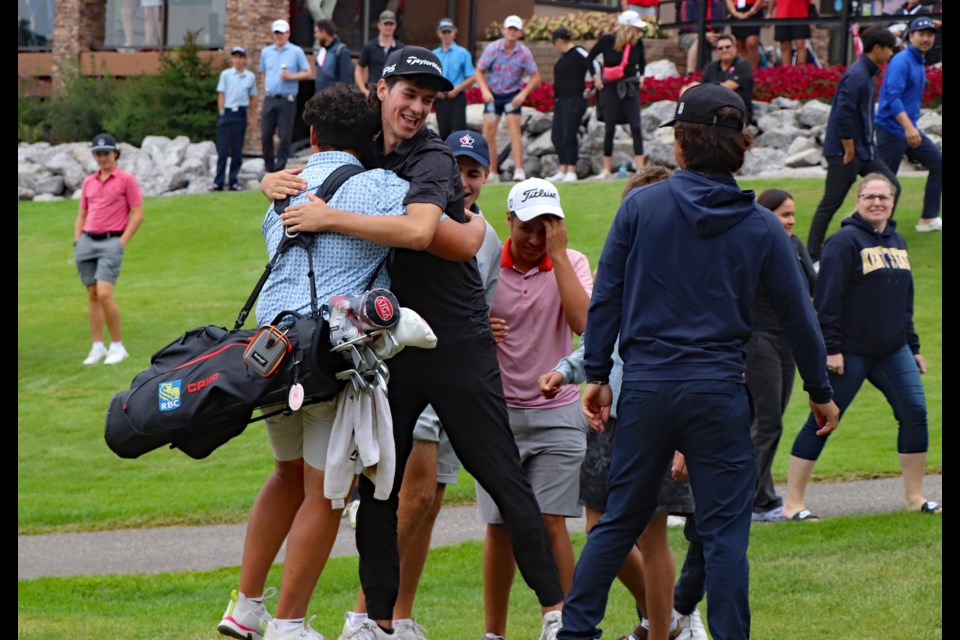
(661, 70)
(539, 144)
(780, 138)
(784, 103)
(549, 164)
(659, 152)
(201, 151)
(930, 122)
(812, 113)
(807, 158)
(539, 122)
(800, 145)
(656, 114)
(164, 151)
(760, 160)
(51, 185)
(475, 117)
(23, 193)
(64, 164)
(47, 197)
(777, 120)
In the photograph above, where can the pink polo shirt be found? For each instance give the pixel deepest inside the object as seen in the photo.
(538, 331)
(108, 202)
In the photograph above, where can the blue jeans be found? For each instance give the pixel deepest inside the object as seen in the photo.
(891, 147)
(897, 377)
(709, 421)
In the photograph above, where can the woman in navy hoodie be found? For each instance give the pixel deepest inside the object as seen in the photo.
(864, 299)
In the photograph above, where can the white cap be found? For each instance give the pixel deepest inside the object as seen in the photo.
(631, 19)
(281, 25)
(534, 197)
(513, 21)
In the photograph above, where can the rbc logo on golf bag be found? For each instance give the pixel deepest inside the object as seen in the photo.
(169, 395)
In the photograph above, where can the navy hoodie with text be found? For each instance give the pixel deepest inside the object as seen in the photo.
(678, 272)
(864, 293)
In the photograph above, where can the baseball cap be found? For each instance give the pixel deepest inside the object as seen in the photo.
(470, 144)
(699, 105)
(103, 142)
(239, 50)
(513, 21)
(560, 33)
(416, 61)
(446, 24)
(281, 25)
(534, 197)
(631, 19)
(387, 16)
(923, 23)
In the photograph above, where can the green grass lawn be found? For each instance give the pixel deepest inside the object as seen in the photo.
(193, 262)
(845, 578)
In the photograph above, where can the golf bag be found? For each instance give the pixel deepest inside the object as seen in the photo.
(200, 391)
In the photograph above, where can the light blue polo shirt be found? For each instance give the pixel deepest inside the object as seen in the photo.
(272, 58)
(237, 88)
(457, 63)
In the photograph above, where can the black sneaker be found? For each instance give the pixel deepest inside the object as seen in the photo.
(236, 187)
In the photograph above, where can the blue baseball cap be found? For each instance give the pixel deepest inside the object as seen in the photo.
(470, 144)
(923, 23)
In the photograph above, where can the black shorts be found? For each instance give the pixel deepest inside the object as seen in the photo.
(785, 33)
(742, 33)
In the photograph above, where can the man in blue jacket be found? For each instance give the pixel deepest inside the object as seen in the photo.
(848, 144)
(333, 58)
(897, 115)
(676, 278)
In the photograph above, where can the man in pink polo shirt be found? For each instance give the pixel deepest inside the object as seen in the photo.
(541, 300)
(111, 210)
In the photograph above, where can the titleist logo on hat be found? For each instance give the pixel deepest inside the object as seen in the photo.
(538, 193)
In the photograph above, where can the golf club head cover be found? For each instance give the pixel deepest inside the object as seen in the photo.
(376, 309)
(413, 331)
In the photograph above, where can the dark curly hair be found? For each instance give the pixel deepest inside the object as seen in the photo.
(341, 118)
(713, 149)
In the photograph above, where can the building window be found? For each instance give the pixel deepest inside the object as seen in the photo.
(161, 24)
(35, 25)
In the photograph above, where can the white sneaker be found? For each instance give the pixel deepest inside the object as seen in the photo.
(116, 354)
(552, 623)
(409, 630)
(570, 176)
(305, 632)
(249, 623)
(519, 175)
(97, 353)
(557, 177)
(603, 175)
(935, 224)
(493, 178)
(691, 626)
(368, 630)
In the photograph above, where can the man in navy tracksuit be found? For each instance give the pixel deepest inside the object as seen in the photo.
(676, 278)
(849, 144)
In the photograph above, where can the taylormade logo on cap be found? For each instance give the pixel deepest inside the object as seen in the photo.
(420, 61)
(389, 69)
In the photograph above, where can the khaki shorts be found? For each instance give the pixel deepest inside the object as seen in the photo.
(302, 434)
(98, 259)
(552, 442)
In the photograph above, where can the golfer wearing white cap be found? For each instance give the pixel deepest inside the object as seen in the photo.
(283, 64)
(500, 74)
(540, 302)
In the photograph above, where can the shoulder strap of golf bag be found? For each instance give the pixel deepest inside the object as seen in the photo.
(325, 191)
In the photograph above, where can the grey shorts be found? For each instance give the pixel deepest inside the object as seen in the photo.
(302, 434)
(687, 40)
(429, 429)
(675, 498)
(98, 259)
(551, 444)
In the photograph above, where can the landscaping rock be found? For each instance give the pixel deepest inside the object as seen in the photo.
(808, 158)
(661, 70)
(813, 113)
